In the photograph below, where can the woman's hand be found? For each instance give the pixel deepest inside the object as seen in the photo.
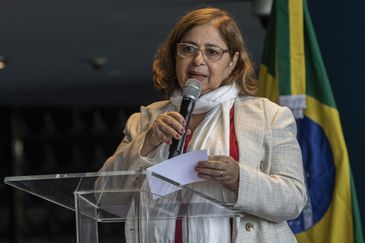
(166, 126)
(221, 168)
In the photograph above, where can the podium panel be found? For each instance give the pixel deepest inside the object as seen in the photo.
(147, 203)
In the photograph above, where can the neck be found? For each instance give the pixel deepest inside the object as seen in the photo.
(196, 119)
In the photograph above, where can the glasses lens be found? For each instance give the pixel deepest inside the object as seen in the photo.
(186, 50)
(213, 53)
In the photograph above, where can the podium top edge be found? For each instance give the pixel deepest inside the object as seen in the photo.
(74, 175)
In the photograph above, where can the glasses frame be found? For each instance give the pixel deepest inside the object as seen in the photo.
(197, 48)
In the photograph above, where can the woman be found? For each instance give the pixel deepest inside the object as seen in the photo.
(254, 158)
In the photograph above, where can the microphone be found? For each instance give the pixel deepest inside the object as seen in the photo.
(191, 93)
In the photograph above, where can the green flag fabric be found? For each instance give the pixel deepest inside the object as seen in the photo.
(293, 74)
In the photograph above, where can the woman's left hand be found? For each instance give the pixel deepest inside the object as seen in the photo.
(221, 168)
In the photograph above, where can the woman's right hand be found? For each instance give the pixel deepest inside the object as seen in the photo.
(166, 126)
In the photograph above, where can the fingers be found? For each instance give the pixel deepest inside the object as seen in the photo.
(210, 174)
(221, 158)
(223, 169)
(169, 125)
(217, 162)
(166, 126)
(212, 165)
(177, 116)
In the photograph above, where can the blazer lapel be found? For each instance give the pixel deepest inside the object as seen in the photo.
(250, 127)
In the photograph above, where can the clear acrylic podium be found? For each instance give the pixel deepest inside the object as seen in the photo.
(143, 200)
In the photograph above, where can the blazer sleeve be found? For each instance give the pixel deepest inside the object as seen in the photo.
(127, 156)
(279, 193)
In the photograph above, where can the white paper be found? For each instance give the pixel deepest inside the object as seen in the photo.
(180, 169)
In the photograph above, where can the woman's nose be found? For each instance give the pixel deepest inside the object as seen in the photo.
(199, 58)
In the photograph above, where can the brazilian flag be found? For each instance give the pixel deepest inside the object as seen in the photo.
(293, 74)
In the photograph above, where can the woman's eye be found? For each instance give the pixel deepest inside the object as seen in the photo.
(189, 49)
(212, 52)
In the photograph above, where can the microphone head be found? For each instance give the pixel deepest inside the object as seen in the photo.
(192, 89)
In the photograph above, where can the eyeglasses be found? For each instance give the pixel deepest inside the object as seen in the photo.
(210, 53)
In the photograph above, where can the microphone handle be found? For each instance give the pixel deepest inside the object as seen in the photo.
(186, 110)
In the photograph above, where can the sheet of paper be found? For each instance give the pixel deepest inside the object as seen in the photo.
(179, 169)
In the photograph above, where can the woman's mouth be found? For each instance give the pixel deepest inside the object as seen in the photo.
(197, 75)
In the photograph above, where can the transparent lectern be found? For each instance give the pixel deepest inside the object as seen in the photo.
(144, 201)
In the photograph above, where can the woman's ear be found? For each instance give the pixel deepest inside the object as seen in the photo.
(233, 62)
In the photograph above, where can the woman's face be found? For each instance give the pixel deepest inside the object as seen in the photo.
(209, 73)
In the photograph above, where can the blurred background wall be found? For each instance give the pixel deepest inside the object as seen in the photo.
(75, 70)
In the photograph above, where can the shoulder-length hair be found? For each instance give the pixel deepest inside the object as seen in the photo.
(164, 74)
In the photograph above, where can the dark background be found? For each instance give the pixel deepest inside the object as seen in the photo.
(69, 114)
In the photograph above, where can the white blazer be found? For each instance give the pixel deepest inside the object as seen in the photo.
(271, 187)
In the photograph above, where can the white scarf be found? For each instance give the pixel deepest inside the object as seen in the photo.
(208, 101)
(213, 135)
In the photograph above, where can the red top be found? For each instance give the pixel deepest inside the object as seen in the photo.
(233, 145)
(233, 152)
